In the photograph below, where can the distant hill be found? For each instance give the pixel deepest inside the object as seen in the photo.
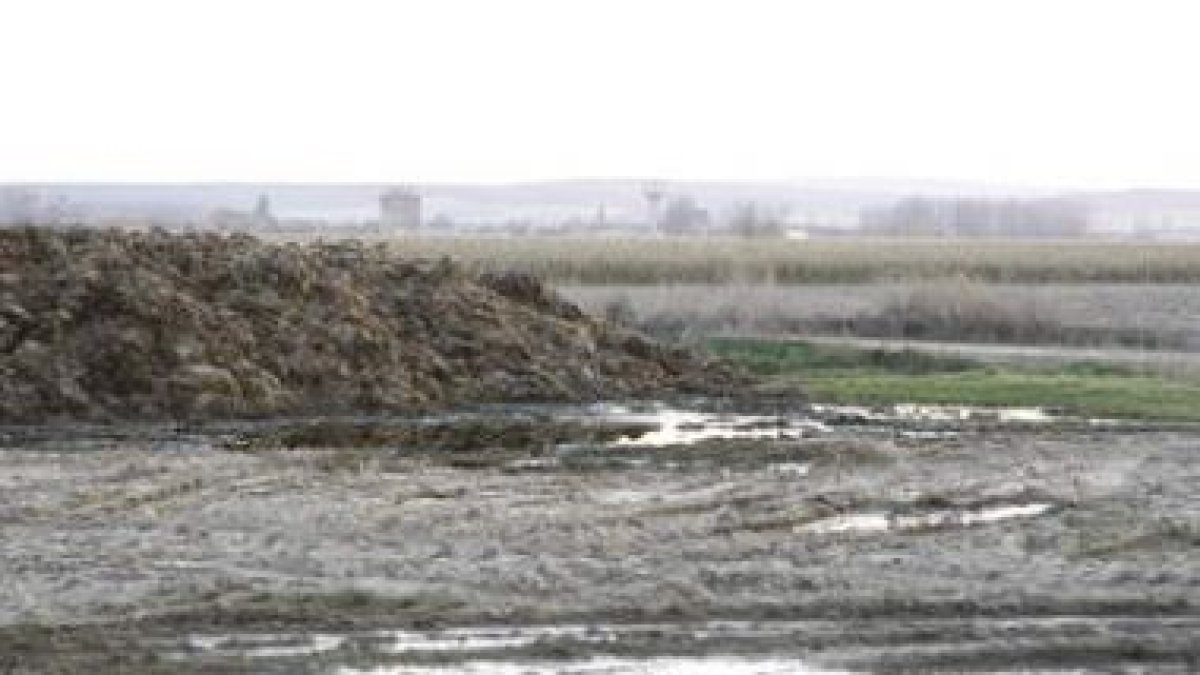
(830, 202)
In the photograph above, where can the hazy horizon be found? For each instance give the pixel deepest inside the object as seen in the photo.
(1065, 95)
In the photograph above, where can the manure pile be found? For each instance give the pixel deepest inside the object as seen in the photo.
(109, 325)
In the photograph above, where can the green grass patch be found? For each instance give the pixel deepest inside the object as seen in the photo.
(848, 375)
(1103, 396)
(775, 357)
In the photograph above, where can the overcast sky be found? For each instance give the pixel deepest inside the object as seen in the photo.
(1049, 92)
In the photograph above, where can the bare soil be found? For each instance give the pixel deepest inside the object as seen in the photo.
(163, 550)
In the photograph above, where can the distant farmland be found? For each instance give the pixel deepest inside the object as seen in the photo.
(640, 261)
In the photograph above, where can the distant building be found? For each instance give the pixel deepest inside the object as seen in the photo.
(399, 210)
(683, 216)
(263, 218)
(654, 194)
(257, 219)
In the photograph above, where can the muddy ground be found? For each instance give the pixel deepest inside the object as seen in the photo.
(829, 543)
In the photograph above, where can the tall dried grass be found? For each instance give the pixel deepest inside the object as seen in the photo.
(955, 310)
(628, 260)
(967, 310)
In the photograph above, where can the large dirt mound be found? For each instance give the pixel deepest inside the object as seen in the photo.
(110, 325)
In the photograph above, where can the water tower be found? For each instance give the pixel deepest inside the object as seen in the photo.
(654, 194)
(400, 210)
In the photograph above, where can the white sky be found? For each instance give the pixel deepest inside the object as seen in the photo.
(1053, 92)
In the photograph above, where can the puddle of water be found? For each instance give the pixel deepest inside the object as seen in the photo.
(951, 413)
(677, 427)
(795, 469)
(473, 649)
(718, 491)
(910, 412)
(614, 497)
(1023, 415)
(264, 646)
(481, 638)
(465, 640)
(469, 638)
(613, 666)
(473, 643)
(472, 639)
(927, 435)
(880, 522)
(664, 426)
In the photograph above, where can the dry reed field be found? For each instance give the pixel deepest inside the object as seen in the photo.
(1148, 315)
(717, 260)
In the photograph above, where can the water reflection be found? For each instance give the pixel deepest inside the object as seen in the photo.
(668, 426)
(678, 427)
(878, 522)
(612, 666)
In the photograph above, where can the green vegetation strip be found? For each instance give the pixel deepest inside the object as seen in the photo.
(846, 375)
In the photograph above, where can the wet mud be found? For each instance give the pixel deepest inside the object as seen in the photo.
(708, 537)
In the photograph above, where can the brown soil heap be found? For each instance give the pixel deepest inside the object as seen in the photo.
(108, 325)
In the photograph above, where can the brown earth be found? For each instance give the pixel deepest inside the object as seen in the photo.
(99, 325)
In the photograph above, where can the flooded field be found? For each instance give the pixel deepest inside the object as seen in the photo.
(701, 536)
